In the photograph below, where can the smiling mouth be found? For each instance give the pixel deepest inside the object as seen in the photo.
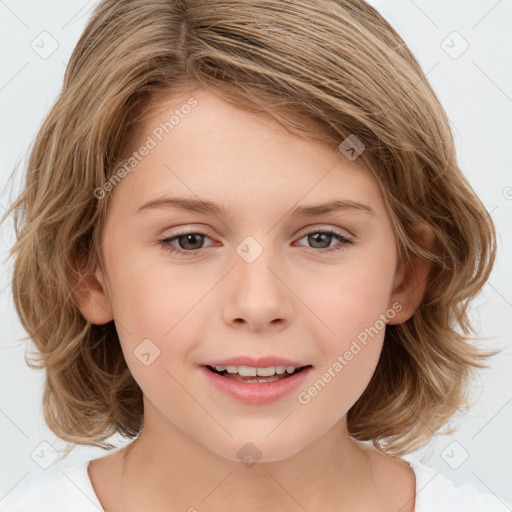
(257, 378)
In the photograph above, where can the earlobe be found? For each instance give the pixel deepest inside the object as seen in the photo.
(90, 294)
(411, 279)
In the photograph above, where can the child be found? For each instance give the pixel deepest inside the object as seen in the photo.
(262, 369)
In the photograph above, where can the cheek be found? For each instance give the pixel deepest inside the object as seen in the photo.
(351, 307)
(349, 356)
(158, 309)
(153, 296)
(350, 300)
(338, 385)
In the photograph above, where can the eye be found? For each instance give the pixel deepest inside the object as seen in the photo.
(322, 238)
(189, 243)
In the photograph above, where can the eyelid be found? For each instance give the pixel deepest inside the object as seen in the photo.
(343, 240)
(304, 231)
(326, 227)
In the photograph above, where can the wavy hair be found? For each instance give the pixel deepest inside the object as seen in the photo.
(324, 69)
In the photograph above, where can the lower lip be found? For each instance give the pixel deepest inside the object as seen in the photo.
(256, 393)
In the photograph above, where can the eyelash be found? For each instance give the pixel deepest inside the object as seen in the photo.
(165, 243)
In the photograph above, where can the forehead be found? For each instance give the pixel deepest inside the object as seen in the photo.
(202, 145)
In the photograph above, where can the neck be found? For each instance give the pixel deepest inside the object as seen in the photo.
(166, 470)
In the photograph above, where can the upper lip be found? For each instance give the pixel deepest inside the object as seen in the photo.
(255, 362)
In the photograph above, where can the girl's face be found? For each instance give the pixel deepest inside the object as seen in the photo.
(262, 274)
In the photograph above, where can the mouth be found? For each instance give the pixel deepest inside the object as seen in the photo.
(249, 374)
(255, 385)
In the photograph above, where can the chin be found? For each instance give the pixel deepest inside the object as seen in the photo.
(252, 449)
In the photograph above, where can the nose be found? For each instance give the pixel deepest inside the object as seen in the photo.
(258, 295)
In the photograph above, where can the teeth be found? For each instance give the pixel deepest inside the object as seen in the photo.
(247, 371)
(255, 379)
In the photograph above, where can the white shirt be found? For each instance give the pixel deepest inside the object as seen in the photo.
(71, 490)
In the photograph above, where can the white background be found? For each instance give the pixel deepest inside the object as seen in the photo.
(476, 91)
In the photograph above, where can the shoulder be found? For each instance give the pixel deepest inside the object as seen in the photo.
(57, 492)
(436, 492)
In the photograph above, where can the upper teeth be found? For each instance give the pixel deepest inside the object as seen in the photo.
(247, 371)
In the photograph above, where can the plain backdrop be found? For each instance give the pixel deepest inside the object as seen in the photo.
(465, 49)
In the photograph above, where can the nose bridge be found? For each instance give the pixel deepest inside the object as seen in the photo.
(257, 294)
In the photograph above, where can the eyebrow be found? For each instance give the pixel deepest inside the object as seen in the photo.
(211, 208)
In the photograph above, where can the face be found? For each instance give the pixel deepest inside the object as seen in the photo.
(256, 276)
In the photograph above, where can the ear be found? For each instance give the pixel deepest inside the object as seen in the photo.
(90, 294)
(411, 278)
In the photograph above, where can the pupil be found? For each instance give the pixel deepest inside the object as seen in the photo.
(189, 237)
(313, 239)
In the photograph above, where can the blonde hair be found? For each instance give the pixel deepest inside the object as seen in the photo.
(325, 69)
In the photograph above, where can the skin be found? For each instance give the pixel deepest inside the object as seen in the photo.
(295, 300)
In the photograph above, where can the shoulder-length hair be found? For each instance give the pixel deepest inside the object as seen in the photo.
(325, 69)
